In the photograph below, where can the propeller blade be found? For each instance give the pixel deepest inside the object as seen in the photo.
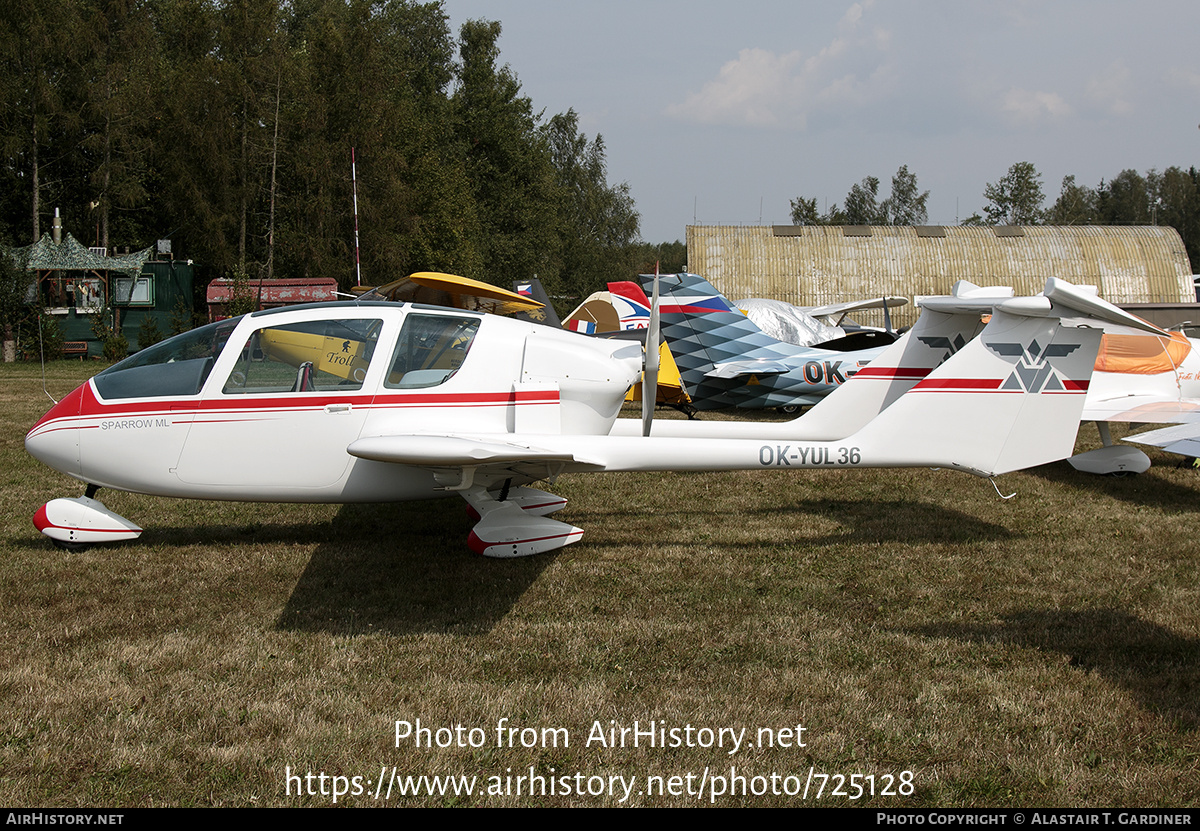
(650, 365)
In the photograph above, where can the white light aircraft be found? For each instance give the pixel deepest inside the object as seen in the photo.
(1143, 381)
(378, 401)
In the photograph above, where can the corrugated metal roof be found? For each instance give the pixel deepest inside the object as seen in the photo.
(815, 265)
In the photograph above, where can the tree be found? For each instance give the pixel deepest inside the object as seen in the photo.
(1177, 199)
(906, 206)
(374, 78)
(861, 206)
(1017, 198)
(39, 85)
(227, 126)
(1076, 205)
(1125, 200)
(507, 161)
(194, 152)
(804, 211)
(120, 72)
(597, 223)
(668, 257)
(13, 283)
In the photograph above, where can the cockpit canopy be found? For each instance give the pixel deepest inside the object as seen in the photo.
(327, 354)
(176, 366)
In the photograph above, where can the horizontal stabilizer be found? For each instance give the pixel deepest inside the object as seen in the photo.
(966, 298)
(1085, 301)
(735, 369)
(849, 306)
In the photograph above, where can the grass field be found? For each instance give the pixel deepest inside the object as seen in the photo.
(957, 648)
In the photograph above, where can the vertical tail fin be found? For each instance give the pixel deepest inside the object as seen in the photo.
(945, 326)
(533, 288)
(631, 303)
(704, 330)
(1009, 399)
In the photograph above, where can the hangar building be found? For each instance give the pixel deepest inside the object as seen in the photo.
(813, 265)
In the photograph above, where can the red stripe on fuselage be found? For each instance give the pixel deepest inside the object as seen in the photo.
(83, 403)
(69, 407)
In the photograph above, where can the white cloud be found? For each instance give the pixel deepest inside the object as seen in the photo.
(853, 15)
(746, 91)
(1030, 106)
(1111, 89)
(762, 88)
(1187, 78)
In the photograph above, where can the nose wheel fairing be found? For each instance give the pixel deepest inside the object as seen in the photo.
(82, 521)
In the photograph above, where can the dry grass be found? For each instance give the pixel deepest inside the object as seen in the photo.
(1039, 651)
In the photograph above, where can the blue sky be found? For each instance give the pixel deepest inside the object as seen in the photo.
(721, 113)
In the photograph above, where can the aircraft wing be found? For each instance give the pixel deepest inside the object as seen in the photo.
(454, 291)
(1142, 409)
(1183, 439)
(855, 306)
(513, 523)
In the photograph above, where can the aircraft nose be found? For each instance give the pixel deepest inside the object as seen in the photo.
(54, 440)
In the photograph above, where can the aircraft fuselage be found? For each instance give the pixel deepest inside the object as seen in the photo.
(263, 407)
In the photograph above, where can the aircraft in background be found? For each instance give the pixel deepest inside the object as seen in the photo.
(814, 325)
(725, 360)
(453, 291)
(622, 311)
(1142, 381)
(837, 314)
(383, 401)
(623, 307)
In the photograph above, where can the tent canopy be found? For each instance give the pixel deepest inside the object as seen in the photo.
(71, 255)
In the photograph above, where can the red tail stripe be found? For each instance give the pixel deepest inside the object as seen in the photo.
(959, 383)
(892, 372)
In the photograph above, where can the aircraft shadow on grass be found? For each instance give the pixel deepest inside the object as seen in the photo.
(402, 569)
(1157, 667)
(902, 521)
(398, 568)
(868, 521)
(1146, 489)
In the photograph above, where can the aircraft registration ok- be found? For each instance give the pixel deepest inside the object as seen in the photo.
(726, 360)
(386, 401)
